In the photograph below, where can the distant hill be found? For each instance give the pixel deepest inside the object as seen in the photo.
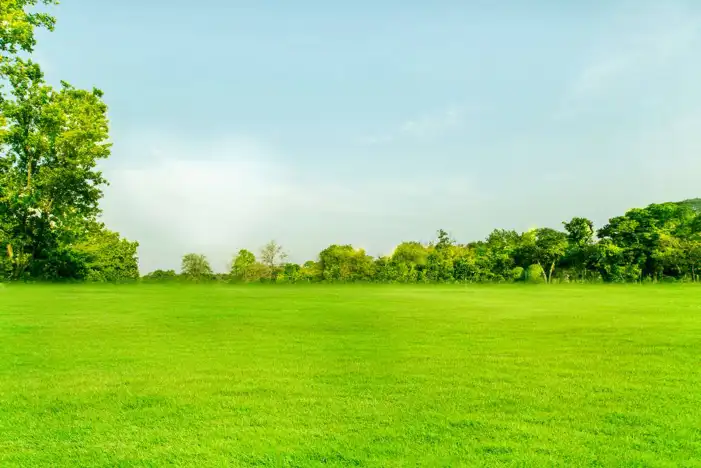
(695, 203)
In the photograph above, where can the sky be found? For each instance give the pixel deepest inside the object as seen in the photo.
(375, 122)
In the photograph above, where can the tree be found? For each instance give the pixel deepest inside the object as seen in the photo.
(670, 256)
(290, 273)
(246, 269)
(580, 253)
(693, 248)
(310, 271)
(439, 262)
(387, 271)
(345, 263)
(545, 247)
(50, 144)
(109, 257)
(51, 141)
(694, 203)
(465, 267)
(256, 273)
(241, 265)
(641, 233)
(196, 267)
(580, 231)
(407, 262)
(500, 253)
(272, 256)
(17, 25)
(444, 240)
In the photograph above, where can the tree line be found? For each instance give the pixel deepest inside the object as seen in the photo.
(661, 242)
(52, 139)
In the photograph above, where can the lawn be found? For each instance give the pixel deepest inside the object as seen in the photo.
(350, 376)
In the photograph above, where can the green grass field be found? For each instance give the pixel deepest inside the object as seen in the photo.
(350, 376)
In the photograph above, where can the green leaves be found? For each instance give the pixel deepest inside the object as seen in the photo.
(245, 269)
(650, 239)
(17, 24)
(344, 263)
(109, 258)
(51, 141)
(196, 267)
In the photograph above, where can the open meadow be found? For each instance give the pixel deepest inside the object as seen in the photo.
(214, 375)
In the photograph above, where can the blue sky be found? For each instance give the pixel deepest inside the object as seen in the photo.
(370, 123)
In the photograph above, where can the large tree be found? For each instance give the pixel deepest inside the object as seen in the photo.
(544, 247)
(272, 255)
(580, 255)
(51, 141)
(195, 267)
(407, 263)
(344, 263)
(245, 268)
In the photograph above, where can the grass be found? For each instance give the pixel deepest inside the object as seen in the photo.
(350, 376)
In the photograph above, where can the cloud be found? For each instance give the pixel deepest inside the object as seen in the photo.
(424, 128)
(222, 196)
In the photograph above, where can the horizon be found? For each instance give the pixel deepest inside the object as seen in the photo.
(375, 124)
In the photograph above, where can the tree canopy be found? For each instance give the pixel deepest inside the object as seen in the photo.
(51, 141)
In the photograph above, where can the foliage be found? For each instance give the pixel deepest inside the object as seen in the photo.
(109, 258)
(271, 256)
(534, 274)
(50, 147)
(161, 276)
(242, 267)
(548, 249)
(310, 271)
(344, 263)
(51, 141)
(694, 203)
(660, 242)
(195, 267)
(18, 21)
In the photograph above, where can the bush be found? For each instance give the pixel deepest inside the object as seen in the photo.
(518, 274)
(161, 276)
(534, 274)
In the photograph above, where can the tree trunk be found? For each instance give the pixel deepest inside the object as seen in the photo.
(550, 276)
(545, 275)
